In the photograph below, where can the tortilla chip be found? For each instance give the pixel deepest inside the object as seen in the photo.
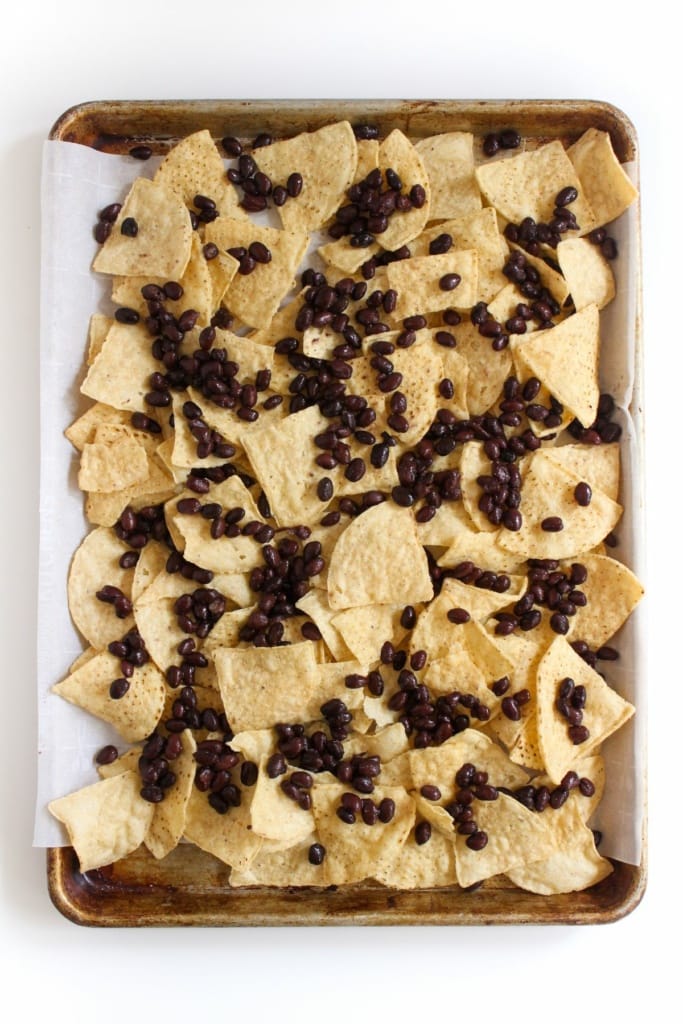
(397, 152)
(359, 851)
(604, 713)
(588, 274)
(327, 159)
(597, 464)
(488, 370)
(97, 332)
(136, 714)
(120, 374)
(228, 837)
(398, 572)
(105, 821)
(279, 868)
(316, 605)
(438, 765)
(525, 185)
(565, 359)
(111, 467)
(255, 297)
(603, 180)
(575, 864)
(276, 816)
(417, 282)
(161, 247)
(168, 823)
(365, 629)
(94, 565)
(83, 428)
(423, 866)
(194, 166)
(548, 491)
(612, 592)
(449, 162)
(477, 230)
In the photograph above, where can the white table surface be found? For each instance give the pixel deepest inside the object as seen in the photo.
(55, 55)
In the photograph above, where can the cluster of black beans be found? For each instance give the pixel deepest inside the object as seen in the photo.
(199, 611)
(155, 765)
(604, 430)
(472, 784)
(114, 596)
(325, 305)
(257, 188)
(298, 788)
(209, 442)
(507, 138)
(527, 278)
(483, 579)
(317, 752)
(570, 702)
(548, 587)
(538, 798)
(531, 235)
(200, 478)
(226, 523)
(371, 207)
(352, 807)
(418, 482)
(512, 704)
(137, 528)
(519, 399)
(430, 722)
(216, 762)
(608, 245)
(282, 580)
(249, 257)
(106, 219)
(132, 653)
(184, 674)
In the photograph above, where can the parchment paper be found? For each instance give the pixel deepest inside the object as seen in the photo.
(77, 183)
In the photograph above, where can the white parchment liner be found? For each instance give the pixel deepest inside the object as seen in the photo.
(78, 182)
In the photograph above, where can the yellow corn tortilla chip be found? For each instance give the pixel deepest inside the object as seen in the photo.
(481, 548)
(525, 185)
(565, 359)
(111, 467)
(589, 276)
(274, 815)
(398, 572)
(255, 297)
(194, 166)
(358, 851)
(94, 565)
(228, 837)
(326, 159)
(438, 765)
(598, 465)
(105, 821)
(575, 864)
(316, 605)
(97, 331)
(279, 868)
(136, 714)
(83, 428)
(397, 152)
(161, 247)
(604, 713)
(417, 282)
(604, 181)
(488, 370)
(365, 629)
(425, 866)
(120, 373)
(261, 686)
(283, 458)
(476, 230)
(548, 491)
(515, 836)
(612, 592)
(449, 162)
(168, 824)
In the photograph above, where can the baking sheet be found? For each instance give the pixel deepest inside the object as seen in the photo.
(77, 182)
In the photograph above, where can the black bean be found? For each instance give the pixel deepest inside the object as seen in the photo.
(129, 227)
(449, 281)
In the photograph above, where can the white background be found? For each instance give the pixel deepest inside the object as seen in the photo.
(55, 55)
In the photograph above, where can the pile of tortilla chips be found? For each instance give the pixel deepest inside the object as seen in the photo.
(381, 591)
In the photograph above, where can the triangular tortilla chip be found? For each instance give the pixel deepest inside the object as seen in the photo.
(194, 166)
(604, 181)
(548, 491)
(449, 162)
(565, 359)
(417, 281)
(612, 592)
(94, 565)
(526, 185)
(136, 714)
(226, 836)
(588, 274)
(105, 821)
(120, 373)
(604, 713)
(326, 159)
(168, 823)
(397, 152)
(161, 247)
